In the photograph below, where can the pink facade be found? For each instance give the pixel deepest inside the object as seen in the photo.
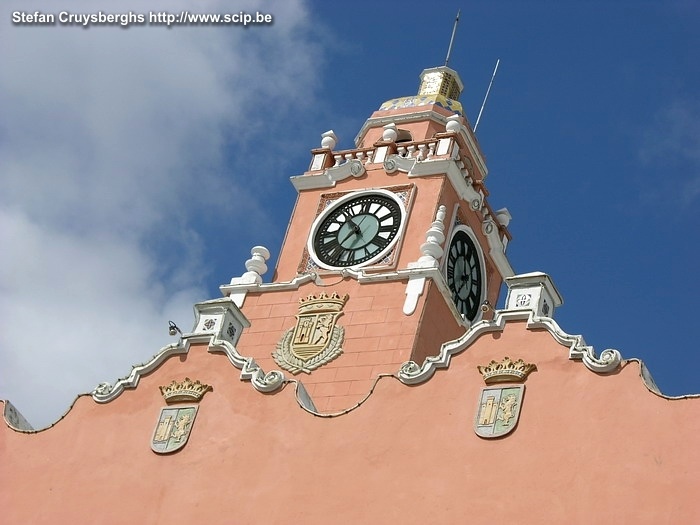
(587, 449)
(392, 424)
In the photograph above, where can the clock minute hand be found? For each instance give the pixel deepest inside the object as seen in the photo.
(355, 230)
(352, 232)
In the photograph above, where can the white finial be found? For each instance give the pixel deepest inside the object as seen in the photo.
(328, 139)
(503, 216)
(434, 237)
(454, 124)
(256, 264)
(390, 133)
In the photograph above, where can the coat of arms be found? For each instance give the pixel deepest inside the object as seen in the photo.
(315, 340)
(173, 428)
(175, 422)
(498, 409)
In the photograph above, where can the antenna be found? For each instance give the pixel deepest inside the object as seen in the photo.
(454, 30)
(487, 94)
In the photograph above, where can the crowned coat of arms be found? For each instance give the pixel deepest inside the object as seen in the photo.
(315, 340)
(175, 422)
(498, 409)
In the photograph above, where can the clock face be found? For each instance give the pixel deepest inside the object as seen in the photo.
(464, 274)
(357, 231)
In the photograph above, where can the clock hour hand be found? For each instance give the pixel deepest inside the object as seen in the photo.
(352, 232)
(356, 228)
(355, 231)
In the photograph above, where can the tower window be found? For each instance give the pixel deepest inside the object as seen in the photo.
(403, 135)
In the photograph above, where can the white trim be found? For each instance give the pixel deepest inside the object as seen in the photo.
(609, 360)
(469, 139)
(105, 392)
(329, 177)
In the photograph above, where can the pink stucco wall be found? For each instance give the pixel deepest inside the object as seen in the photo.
(587, 449)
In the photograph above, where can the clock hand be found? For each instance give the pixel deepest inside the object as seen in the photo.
(359, 231)
(352, 232)
(356, 228)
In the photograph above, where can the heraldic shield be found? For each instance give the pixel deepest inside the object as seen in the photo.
(498, 410)
(173, 428)
(315, 340)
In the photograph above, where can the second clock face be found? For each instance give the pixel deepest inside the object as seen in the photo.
(464, 277)
(357, 230)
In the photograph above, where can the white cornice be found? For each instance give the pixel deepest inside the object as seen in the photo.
(466, 191)
(609, 360)
(469, 139)
(329, 177)
(106, 392)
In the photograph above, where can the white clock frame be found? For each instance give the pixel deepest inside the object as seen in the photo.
(479, 255)
(333, 205)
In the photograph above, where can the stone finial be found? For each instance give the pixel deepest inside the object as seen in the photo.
(431, 250)
(434, 237)
(329, 139)
(390, 133)
(454, 124)
(503, 217)
(256, 264)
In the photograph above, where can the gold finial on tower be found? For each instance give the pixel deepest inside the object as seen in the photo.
(442, 80)
(452, 38)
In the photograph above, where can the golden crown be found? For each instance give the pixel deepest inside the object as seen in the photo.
(322, 302)
(506, 371)
(186, 390)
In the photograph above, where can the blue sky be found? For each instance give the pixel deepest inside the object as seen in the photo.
(139, 166)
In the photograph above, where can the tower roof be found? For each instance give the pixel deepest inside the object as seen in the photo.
(439, 86)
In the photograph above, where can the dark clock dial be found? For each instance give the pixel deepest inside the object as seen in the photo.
(464, 278)
(357, 230)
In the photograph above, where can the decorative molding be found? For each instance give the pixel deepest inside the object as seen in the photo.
(294, 284)
(106, 392)
(250, 370)
(432, 251)
(14, 419)
(330, 176)
(396, 163)
(464, 134)
(186, 390)
(315, 340)
(533, 291)
(506, 371)
(412, 373)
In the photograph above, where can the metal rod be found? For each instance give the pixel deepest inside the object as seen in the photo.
(454, 30)
(487, 95)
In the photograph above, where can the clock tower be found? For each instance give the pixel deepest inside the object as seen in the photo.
(390, 266)
(392, 250)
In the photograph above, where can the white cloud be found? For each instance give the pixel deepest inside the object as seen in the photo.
(111, 142)
(672, 146)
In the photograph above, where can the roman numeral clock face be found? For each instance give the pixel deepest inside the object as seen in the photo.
(464, 277)
(357, 231)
